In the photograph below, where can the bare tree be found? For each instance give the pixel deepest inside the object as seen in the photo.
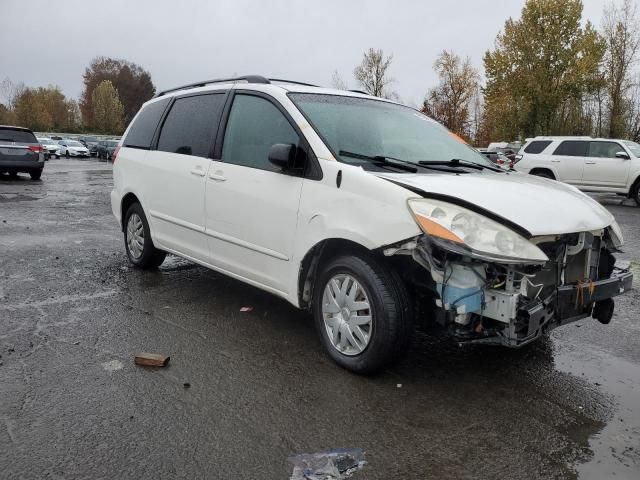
(621, 31)
(10, 92)
(337, 81)
(372, 74)
(452, 101)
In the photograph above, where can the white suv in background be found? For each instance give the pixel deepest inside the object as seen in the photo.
(362, 211)
(591, 164)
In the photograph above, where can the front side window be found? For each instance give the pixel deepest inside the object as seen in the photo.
(604, 149)
(572, 148)
(191, 125)
(363, 127)
(254, 126)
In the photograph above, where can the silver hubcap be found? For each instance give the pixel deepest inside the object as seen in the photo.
(135, 235)
(346, 312)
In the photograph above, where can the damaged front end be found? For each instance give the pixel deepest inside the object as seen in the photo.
(487, 297)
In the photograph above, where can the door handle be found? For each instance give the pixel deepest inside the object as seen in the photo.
(589, 163)
(218, 176)
(555, 161)
(198, 172)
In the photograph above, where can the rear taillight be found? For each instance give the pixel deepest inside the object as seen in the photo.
(114, 155)
(36, 148)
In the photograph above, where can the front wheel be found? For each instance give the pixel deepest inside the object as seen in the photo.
(362, 313)
(635, 193)
(137, 240)
(35, 174)
(67, 154)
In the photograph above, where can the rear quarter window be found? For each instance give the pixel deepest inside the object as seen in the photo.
(144, 126)
(537, 146)
(19, 136)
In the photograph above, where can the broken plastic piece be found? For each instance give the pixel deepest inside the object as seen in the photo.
(152, 360)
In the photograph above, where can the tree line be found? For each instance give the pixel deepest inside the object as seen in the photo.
(113, 92)
(549, 73)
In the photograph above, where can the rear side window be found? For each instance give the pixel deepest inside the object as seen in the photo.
(191, 125)
(254, 126)
(19, 136)
(144, 126)
(572, 148)
(604, 149)
(537, 146)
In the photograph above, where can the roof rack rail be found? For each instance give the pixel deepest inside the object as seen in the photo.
(293, 82)
(247, 78)
(358, 91)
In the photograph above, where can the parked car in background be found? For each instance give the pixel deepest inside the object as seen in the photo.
(106, 148)
(590, 164)
(364, 212)
(20, 152)
(51, 148)
(91, 143)
(498, 158)
(73, 148)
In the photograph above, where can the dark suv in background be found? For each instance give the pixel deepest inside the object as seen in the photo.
(91, 143)
(20, 152)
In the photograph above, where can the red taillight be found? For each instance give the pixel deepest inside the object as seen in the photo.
(36, 148)
(114, 155)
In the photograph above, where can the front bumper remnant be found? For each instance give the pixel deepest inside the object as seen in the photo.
(567, 304)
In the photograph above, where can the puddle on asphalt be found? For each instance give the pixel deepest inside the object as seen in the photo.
(16, 197)
(616, 447)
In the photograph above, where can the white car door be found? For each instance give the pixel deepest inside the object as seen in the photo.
(177, 169)
(568, 161)
(251, 207)
(602, 168)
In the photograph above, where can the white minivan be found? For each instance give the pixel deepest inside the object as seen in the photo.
(363, 211)
(591, 164)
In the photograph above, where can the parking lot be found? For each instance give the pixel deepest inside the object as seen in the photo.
(245, 390)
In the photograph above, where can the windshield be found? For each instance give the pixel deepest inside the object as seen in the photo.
(375, 128)
(111, 143)
(90, 139)
(45, 141)
(73, 143)
(634, 147)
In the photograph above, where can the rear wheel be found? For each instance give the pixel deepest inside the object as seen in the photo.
(137, 240)
(67, 154)
(35, 174)
(13, 174)
(362, 313)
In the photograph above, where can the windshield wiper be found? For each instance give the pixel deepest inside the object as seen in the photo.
(382, 160)
(458, 162)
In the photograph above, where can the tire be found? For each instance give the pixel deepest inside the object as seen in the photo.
(543, 175)
(390, 330)
(35, 174)
(635, 193)
(13, 174)
(149, 256)
(67, 154)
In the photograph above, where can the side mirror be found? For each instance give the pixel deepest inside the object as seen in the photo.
(283, 155)
(623, 155)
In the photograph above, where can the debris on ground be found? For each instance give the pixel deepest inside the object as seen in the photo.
(246, 309)
(152, 360)
(186, 385)
(334, 464)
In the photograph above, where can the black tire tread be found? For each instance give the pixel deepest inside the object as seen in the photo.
(152, 257)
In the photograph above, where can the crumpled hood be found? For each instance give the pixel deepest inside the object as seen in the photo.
(539, 205)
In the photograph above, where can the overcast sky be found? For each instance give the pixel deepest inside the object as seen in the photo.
(181, 41)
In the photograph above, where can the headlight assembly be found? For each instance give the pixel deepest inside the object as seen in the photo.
(462, 230)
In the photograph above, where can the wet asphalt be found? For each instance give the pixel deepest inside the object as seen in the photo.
(258, 386)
